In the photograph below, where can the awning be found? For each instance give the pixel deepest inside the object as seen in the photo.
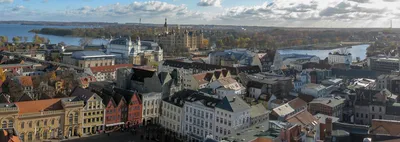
(114, 124)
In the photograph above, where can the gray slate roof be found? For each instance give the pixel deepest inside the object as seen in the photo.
(233, 103)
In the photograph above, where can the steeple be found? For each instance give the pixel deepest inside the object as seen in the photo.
(166, 26)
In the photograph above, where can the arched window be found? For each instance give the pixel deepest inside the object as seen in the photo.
(70, 118)
(45, 134)
(37, 137)
(30, 138)
(10, 123)
(37, 123)
(52, 121)
(76, 118)
(4, 124)
(45, 122)
(30, 124)
(22, 136)
(22, 124)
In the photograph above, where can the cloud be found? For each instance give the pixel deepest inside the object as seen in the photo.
(151, 9)
(216, 3)
(307, 12)
(18, 8)
(6, 1)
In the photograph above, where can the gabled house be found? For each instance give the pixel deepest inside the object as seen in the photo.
(133, 105)
(93, 110)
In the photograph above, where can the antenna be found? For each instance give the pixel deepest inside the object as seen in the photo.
(140, 21)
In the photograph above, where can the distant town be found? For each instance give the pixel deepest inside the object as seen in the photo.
(184, 83)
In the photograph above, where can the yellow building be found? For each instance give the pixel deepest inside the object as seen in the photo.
(190, 40)
(42, 119)
(93, 111)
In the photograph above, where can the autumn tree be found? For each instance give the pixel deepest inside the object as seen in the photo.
(205, 43)
(3, 75)
(3, 39)
(37, 39)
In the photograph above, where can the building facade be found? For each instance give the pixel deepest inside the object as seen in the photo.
(328, 106)
(93, 111)
(340, 58)
(87, 59)
(177, 39)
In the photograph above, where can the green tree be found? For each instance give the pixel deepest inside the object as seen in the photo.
(220, 43)
(16, 39)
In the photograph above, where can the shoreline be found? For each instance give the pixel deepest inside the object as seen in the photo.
(323, 48)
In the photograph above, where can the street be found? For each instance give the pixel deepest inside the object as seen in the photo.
(114, 137)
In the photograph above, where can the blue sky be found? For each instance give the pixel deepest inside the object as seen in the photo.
(289, 13)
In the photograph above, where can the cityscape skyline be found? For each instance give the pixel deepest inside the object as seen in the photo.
(278, 13)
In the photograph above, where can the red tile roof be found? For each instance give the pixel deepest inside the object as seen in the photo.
(39, 105)
(109, 68)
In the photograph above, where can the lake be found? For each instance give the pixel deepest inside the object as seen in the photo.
(12, 30)
(356, 51)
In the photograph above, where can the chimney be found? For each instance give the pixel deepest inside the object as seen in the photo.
(234, 98)
(328, 127)
(329, 101)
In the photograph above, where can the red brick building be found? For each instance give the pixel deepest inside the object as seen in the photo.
(134, 106)
(114, 112)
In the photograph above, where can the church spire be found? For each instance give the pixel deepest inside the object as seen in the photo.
(166, 26)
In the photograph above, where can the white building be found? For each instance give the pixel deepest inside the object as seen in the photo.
(227, 86)
(315, 90)
(199, 119)
(151, 107)
(172, 113)
(125, 50)
(340, 58)
(284, 60)
(232, 114)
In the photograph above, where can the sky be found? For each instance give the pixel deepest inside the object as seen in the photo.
(280, 13)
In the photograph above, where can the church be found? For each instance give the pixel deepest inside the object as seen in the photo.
(135, 52)
(177, 39)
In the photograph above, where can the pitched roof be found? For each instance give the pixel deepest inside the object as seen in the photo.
(39, 105)
(385, 127)
(258, 110)
(303, 118)
(206, 67)
(200, 78)
(107, 99)
(297, 103)
(118, 98)
(109, 68)
(322, 117)
(81, 94)
(4, 98)
(179, 97)
(233, 103)
(25, 97)
(141, 74)
(8, 135)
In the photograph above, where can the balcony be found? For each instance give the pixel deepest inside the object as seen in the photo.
(70, 104)
(13, 109)
(43, 113)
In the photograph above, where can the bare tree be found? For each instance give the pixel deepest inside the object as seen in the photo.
(85, 41)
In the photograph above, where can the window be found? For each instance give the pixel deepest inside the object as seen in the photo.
(10, 123)
(76, 119)
(380, 109)
(52, 121)
(70, 118)
(45, 134)
(37, 123)
(37, 136)
(22, 124)
(373, 108)
(30, 136)
(22, 136)
(4, 124)
(30, 124)
(380, 116)
(362, 115)
(45, 122)
(357, 114)
(373, 116)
